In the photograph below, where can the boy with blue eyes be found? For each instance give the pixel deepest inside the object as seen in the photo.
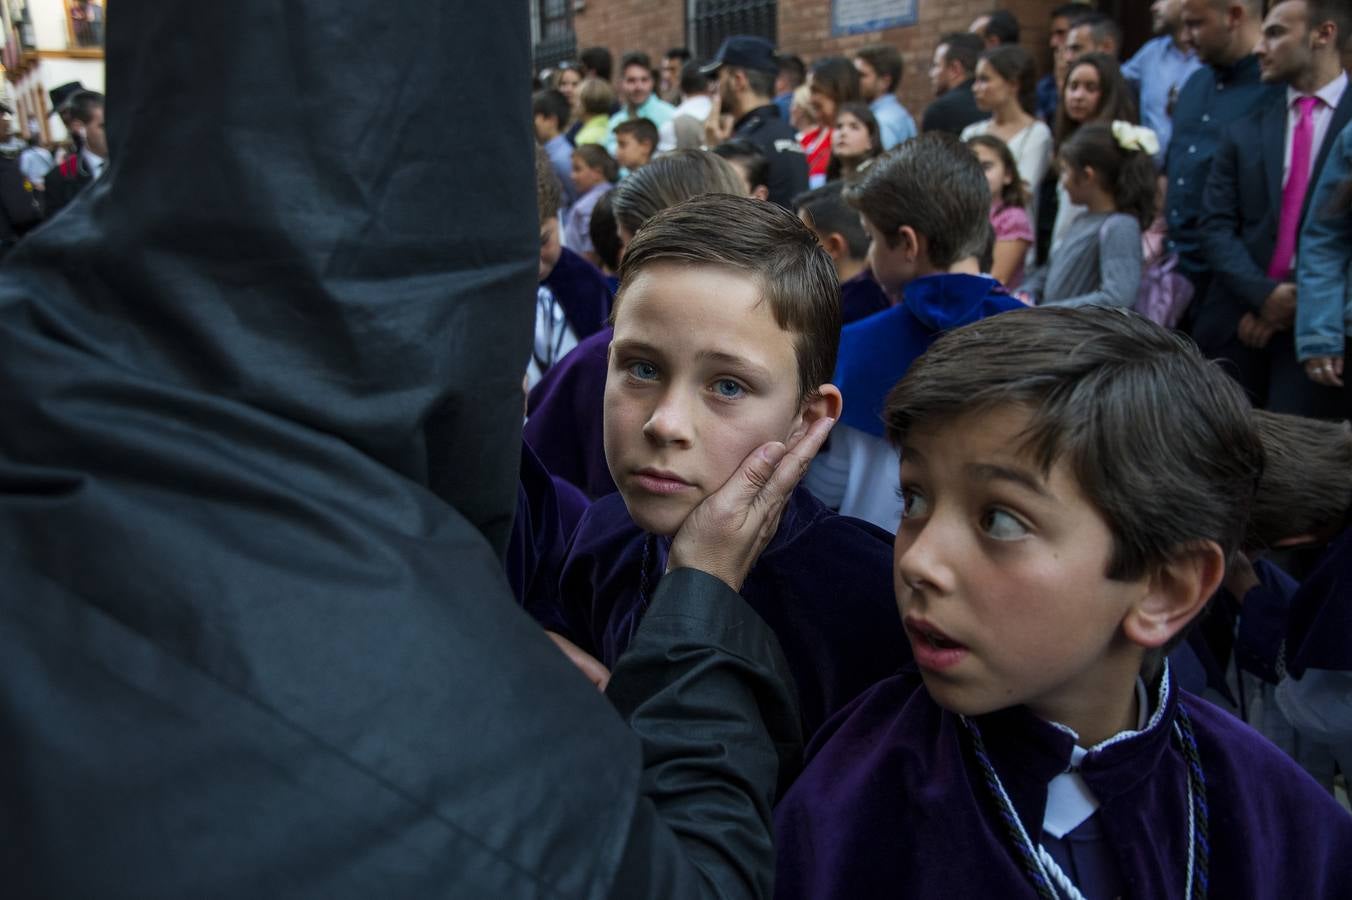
(726, 326)
(1074, 483)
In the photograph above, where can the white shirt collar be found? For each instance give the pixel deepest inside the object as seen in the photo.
(1069, 800)
(93, 162)
(1331, 93)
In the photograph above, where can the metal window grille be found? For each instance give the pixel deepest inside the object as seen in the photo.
(555, 39)
(710, 21)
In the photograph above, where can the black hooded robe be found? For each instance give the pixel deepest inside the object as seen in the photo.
(255, 639)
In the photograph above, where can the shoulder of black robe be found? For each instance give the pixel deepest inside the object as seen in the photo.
(262, 410)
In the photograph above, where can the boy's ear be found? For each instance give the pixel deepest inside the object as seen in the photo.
(835, 245)
(761, 192)
(1175, 593)
(910, 243)
(825, 402)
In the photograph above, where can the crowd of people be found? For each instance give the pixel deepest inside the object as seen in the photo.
(37, 180)
(1178, 184)
(863, 507)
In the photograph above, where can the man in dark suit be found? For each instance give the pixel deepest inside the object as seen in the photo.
(86, 164)
(1256, 196)
(951, 74)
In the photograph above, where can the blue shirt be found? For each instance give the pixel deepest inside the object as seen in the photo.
(560, 153)
(894, 122)
(1159, 68)
(1212, 98)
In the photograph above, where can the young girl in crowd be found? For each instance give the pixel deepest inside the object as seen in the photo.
(1094, 91)
(1109, 171)
(1009, 214)
(594, 100)
(594, 173)
(832, 82)
(855, 143)
(1005, 87)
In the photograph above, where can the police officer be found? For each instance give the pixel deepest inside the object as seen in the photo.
(746, 67)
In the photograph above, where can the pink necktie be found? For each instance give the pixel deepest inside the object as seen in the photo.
(1293, 195)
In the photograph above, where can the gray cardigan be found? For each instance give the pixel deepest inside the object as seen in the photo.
(1098, 263)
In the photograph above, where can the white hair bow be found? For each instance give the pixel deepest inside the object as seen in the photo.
(1135, 137)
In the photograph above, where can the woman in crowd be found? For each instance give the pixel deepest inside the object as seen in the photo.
(855, 142)
(1005, 87)
(832, 82)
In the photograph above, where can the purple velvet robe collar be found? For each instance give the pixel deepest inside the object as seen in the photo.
(893, 803)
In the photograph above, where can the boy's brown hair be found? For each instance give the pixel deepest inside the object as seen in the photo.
(766, 242)
(1306, 486)
(641, 130)
(901, 188)
(548, 193)
(1161, 441)
(594, 156)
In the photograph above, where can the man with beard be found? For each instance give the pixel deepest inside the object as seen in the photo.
(1256, 197)
(746, 67)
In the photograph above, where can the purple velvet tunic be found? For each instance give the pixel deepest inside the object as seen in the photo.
(582, 291)
(547, 513)
(893, 803)
(565, 425)
(823, 585)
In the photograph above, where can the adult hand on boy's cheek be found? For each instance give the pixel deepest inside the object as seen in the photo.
(728, 530)
(596, 673)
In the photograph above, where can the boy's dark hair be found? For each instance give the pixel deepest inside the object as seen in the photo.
(601, 229)
(1015, 65)
(884, 60)
(693, 81)
(1015, 193)
(766, 242)
(548, 193)
(552, 105)
(594, 156)
(750, 157)
(1115, 99)
(641, 130)
(1003, 26)
(828, 213)
(83, 104)
(792, 65)
(681, 53)
(668, 180)
(597, 60)
(635, 58)
(837, 78)
(1306, 486)
(1068, 11)
(596, 97)
(900, 189)
(1101, 27)
(1129, 175)
(964, 48)
(1160, 440)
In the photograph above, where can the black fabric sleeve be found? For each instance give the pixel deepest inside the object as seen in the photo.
(706, 689)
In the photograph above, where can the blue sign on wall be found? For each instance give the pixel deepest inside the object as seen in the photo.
(859, 16)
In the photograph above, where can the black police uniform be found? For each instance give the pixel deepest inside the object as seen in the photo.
(778, 141)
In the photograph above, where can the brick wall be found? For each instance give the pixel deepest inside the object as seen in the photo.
(805, 29)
